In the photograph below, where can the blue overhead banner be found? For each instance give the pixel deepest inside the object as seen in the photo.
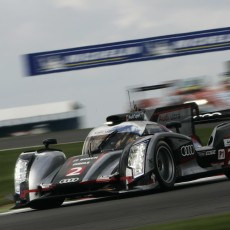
(128, 51)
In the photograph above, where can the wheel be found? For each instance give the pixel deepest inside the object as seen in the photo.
(47, 203)
(164, 166)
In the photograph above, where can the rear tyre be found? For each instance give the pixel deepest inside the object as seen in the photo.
(164, 166)
(47, 203)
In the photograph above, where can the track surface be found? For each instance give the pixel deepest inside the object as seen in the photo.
(35, 140)
(185, 201)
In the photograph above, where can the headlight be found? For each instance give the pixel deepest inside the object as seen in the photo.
(20, 174)
(136, 159)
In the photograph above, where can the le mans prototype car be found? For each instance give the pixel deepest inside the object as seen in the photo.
(137, 151)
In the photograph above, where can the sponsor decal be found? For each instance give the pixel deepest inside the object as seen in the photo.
(75, 171)
(136, 116)
(163, 118)
(221, 154)
(208, 115)
(88, 158)
(84, 160)
(159, 48)
(81, 163)
(211, 152)
(227, 142)
(69, 180)
(187, 150)
(104, 177)
(100, 131)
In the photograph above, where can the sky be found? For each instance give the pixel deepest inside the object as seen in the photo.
(30, 26)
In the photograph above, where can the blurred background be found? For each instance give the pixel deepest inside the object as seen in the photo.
(84, 98)
(210, 94)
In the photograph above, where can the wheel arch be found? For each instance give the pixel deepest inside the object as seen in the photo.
(173, 140)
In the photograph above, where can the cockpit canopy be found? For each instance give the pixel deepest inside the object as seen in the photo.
(108, 138)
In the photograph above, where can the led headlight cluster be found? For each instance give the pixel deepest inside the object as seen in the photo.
(136, 159)
(20, 173)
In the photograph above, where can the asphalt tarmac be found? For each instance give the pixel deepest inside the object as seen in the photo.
(183, 202)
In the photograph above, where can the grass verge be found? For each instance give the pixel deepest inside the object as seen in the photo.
(204, 134)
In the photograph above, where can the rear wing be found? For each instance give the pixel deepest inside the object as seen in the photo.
(182, 113)
(211, 117)
(186, 114)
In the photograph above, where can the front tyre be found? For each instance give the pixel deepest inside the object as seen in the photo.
(164, 166)
(47, 203)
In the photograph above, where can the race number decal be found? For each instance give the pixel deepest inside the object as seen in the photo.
(75, 171)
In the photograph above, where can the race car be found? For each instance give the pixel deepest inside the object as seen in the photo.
(137, 151)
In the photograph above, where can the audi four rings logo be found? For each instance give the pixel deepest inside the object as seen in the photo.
(187, 150)
(69, 180)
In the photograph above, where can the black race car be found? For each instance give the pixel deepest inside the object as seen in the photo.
(136, 151)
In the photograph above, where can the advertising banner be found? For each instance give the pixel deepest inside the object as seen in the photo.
(128, 51)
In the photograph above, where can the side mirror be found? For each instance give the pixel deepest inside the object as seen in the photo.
(50, 141)
(174, 124)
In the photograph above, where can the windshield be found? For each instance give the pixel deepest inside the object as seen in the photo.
(106, 142)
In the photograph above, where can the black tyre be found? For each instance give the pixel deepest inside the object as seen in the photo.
(47, 203)
(164, 166)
